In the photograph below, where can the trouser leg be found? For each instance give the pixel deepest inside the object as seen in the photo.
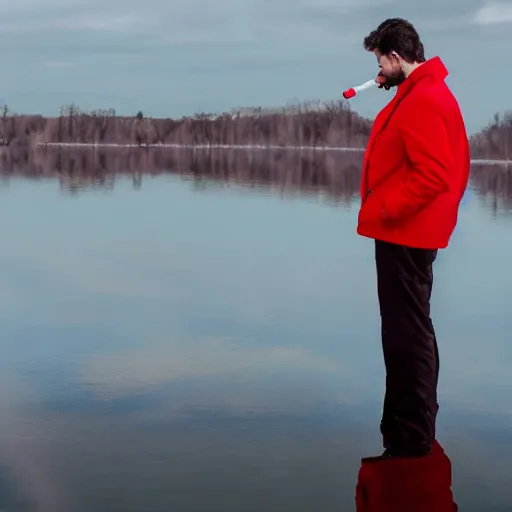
(404, 277)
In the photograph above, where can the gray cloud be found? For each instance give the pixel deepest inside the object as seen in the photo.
(492, 13)
(172, 59)
(143, 369)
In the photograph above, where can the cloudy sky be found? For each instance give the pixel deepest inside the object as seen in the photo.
(176, 57)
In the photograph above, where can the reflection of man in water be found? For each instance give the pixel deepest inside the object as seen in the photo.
(406, 484)
(415, 172)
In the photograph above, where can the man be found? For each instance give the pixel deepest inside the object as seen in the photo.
(415, 172)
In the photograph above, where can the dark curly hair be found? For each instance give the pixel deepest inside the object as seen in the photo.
(399, 35)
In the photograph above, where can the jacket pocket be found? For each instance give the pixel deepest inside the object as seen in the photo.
(371, 209)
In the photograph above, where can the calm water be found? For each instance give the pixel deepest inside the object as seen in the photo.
(186, 340)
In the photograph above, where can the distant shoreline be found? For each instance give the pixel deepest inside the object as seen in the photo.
(202, 146)
(476, 161)
(305, 127)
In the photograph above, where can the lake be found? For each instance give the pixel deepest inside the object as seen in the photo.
(188, 332)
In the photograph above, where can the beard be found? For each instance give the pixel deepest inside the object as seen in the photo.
(393, 80)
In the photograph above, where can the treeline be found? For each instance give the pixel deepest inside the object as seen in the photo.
(494, 141)
(307, 124)
(334, 175)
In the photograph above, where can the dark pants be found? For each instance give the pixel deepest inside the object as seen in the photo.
(404, 277)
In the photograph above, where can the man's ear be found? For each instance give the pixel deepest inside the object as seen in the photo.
(395, 56)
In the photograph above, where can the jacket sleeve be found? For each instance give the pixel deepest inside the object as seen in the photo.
(429, 156)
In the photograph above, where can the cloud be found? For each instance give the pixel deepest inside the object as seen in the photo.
(126, 21)
(57, 64)
(140, 370)
(188, 21)
(65, 19)
(27, 462)
(493, 13)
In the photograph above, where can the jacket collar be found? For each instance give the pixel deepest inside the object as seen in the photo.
(433, 68)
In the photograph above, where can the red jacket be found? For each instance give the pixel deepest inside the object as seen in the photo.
(416, 164)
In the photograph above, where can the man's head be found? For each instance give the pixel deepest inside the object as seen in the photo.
(398, 49)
